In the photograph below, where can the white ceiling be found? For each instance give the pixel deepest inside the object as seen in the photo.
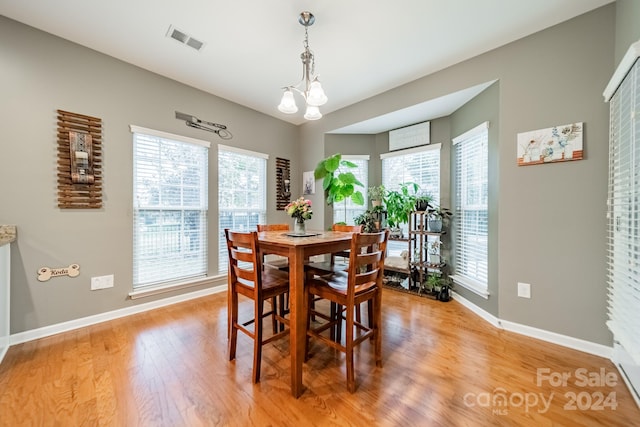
(252, 47)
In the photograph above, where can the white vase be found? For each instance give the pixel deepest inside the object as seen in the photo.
(299, 227)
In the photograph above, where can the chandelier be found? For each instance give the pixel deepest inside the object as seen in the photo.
(311, 88)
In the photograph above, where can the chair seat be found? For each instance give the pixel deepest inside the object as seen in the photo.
(277, 264)
(337, 283)
(325, 267)
(274, 282)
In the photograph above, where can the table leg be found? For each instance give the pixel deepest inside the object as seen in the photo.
(298, 316)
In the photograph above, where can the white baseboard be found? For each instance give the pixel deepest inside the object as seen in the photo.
(46, 331)
(541, 334)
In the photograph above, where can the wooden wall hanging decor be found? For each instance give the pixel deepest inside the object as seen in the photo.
(79, 161)
(283, 183)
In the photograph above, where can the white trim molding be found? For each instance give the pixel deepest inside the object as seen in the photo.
(623, 68)
(46, 331)
(541, 334)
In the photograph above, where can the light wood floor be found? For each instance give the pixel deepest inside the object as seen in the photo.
(443, 366)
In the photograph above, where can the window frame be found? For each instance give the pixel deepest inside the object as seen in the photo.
(261, 212)
(200, 255)
(479, 282)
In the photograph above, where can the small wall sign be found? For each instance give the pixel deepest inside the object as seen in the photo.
(46, 273)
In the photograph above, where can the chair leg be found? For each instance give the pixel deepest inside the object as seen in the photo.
(351, 378)
(282, 310)
(308, 326)
(233, 321)
(376, 322)
(274, 321)
(257, 342)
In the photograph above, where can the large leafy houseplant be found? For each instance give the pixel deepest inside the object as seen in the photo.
(338, 182)
(400, 202)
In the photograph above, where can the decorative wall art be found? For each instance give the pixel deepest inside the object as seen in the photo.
(46, 273)
(283, 183)
(309, 182)
(79, 161)
(556, 144)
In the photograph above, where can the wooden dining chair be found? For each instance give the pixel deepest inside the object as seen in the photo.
(327, 267)
(277, 262)
(362, 282)
(247, 277)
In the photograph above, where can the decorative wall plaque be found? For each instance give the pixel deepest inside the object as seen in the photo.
(79, 161)
(283, 183)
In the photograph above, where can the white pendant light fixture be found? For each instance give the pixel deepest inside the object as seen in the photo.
(312, 91)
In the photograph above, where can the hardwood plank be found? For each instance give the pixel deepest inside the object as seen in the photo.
(169, 367)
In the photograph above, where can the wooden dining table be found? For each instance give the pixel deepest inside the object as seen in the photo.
(298, 249)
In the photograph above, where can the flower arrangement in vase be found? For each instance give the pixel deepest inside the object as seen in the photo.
(300, 210)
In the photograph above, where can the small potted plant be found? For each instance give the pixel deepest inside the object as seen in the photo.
(423, 201)
(367, 220)
(437, 215)
(434, 252)
(433, 283)
(376, 195)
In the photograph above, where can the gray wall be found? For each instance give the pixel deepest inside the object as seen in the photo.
(627, 27)
(40, 74)
(550, 225)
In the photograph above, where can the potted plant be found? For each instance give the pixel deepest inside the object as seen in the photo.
(423, 201)
(434, 251)
(368, 221)
(380, 217)
(376, 194)
(400, 203)
(338, 182)
(437, 215)
(433, 283)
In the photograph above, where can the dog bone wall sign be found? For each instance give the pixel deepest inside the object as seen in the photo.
(46, 273)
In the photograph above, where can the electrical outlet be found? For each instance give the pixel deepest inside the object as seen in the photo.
(524, 290)
(101, 282)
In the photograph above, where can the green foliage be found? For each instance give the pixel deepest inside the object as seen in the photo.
(400, 203)
(367, 220)
(337, 181)
(376, 192)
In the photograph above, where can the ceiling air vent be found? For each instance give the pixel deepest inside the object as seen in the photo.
(184, 38)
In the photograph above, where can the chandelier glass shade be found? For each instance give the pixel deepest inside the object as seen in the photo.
(309, 86)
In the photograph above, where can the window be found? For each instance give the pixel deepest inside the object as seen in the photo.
(420, 165)
(471, 215)
(242, 194)
(353, 210)
(170, 175)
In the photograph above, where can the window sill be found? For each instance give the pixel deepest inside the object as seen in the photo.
(160, 289)
(474, 287)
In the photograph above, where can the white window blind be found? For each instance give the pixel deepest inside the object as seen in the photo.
(242, 194)
(420, 165)
(624, 218)
(353, 210)
(170, 175)
(471, 208)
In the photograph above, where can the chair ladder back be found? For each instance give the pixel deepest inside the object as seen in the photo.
(244, 262)
(366, 260)
(272, 227)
